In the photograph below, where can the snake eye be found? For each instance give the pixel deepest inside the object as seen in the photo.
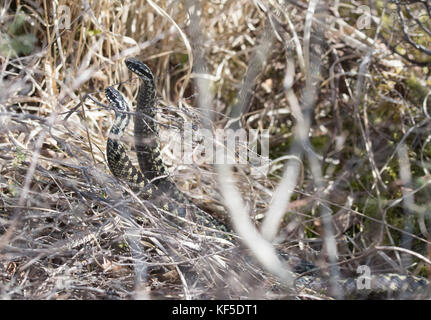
(111, 94)
(140, 69)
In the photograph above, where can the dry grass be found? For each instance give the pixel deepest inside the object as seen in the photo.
(69, 230)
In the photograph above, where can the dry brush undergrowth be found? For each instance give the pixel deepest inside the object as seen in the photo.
(68, 229)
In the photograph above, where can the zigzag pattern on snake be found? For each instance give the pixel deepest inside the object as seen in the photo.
(147, 146)
(122, 168)
(147, 142)
(166, 196)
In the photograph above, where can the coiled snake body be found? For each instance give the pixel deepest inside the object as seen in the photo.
(165, 195)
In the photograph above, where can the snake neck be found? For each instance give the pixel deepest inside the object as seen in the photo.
(146, 134)
(147, 99)
(120, 123)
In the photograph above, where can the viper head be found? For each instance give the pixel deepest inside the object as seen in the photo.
(139, 68)
(115, 99)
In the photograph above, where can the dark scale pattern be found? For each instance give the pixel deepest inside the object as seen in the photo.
(146, 139)
(121, 167)
(148, 146)
(117, 155)
(118, 161)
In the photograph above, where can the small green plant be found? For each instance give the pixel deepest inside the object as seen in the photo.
(15, 41)
(19, 158)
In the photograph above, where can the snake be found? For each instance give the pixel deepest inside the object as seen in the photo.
(147, 142)
(123, 169)
(164, 193)
(118, 161)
